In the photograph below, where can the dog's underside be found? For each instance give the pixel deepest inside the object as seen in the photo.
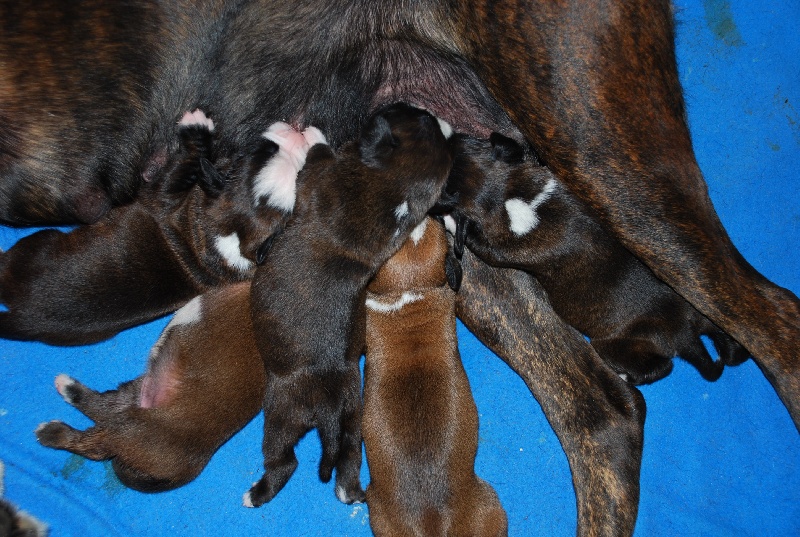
(593, 86)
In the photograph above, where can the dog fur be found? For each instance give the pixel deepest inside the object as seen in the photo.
(354, 210)
(189, 229)
(204, 382)
(420, 422)
(518, 215)
(592, 85)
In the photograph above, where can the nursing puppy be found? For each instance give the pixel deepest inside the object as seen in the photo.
(191, 228)
(354, 210)
(204, 382)
(420, 422)
(519, 215)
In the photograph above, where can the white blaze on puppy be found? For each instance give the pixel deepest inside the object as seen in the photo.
(229, 248)
(419, 231)
(277, 180)
(383, 307)
(447, 130)
(523, 214)
(401, 211)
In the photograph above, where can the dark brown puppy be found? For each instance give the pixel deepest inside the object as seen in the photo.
(420, 422)
(518, 215)
(204, 382)
(190, 229)
(354, 210)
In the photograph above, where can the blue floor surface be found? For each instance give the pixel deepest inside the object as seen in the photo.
(720, 459)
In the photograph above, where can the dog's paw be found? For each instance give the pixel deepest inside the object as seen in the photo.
(350, 495)
(66, 387)
(54, 434)
(314, 136)
(196, 119)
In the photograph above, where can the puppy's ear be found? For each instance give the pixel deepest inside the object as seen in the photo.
(460, 236)
(211, 180)
(263, 250)
(377, 142)
(260, 153)
(505, 149)
(445, 204)
(453, 271)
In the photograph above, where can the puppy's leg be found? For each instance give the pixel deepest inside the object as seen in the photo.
(96, 405)
(598, 418)
(90, 443)
(287, 417)
(594, 87)
(348, 466)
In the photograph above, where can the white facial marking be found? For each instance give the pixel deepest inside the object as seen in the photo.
(523, 215)
(401, 210)
(450, 224)
(383, 307)
(447, 130)
(419, 231)
(230, 249)
(62, 383)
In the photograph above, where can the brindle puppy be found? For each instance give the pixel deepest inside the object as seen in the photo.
(354, 210)
(190, 229)
(517, 214)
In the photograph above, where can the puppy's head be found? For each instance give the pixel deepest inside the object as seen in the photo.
(419, 264)
(380, 188)
(503, 200)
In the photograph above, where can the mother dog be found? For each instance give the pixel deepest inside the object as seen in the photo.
(591, 84)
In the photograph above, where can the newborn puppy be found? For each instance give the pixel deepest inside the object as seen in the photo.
(14, 522)
(204, 382)
(420, 422)
(190, 229)
(516, 214)
(354, 209)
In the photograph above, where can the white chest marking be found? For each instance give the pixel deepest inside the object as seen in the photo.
(383, 307)
(230, 250)
(523, 215)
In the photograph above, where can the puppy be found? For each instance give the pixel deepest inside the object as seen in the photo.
(190, 229)
(420, 422)
(519, 215)
(16, 523)
(204, 382)
(354, 209)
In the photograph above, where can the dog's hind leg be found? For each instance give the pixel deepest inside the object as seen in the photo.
(594, 87)
(90, 443)
(598, 418)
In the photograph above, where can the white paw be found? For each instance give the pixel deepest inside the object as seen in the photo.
(62, 383)
(196, 119)
(314, 136)
(247, 501)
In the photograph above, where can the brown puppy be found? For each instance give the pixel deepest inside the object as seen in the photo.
(354, 210)
(190, 229)
(204, 382)
(420, 422)
(517, 214)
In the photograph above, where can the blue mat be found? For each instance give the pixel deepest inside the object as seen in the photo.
(719, 459)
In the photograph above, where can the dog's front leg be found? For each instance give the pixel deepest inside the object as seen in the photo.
(598, 418)
(594, 86)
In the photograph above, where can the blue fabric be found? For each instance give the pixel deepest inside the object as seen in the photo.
(720, 458)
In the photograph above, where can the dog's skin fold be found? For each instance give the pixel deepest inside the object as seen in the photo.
(90, 93)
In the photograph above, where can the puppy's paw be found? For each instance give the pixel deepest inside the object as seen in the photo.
(196, 119)
(259, 494)
(55, 434)
(314, 136)
(66, 387)
(350, 495)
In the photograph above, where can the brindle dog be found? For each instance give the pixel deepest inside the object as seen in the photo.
(592, 85)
